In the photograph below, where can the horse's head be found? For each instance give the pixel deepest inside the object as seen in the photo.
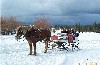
(19, 32)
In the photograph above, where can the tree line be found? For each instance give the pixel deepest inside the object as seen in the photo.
(9, 25)
(95, 27)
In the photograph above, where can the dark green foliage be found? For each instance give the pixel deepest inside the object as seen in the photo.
(95, 27)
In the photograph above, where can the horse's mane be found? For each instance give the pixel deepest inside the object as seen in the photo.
(25, 29)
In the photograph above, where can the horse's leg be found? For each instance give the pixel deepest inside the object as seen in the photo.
(30, 53)
(34, 44)
(30, 45)
(46, 46)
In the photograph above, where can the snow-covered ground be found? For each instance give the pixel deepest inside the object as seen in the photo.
(14, 52)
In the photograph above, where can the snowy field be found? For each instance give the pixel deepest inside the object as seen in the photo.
(14, 52)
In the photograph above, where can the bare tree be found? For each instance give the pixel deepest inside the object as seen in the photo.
(42, 23)
(12, 23)
(9, 24)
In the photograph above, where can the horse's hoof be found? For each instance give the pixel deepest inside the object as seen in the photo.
(29, 54)
(45, 52)
(34, 54)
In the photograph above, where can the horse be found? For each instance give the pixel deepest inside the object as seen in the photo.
(34, 36)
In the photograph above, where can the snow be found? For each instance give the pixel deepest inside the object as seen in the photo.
(14, 52)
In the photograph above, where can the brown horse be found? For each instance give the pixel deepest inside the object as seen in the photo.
(33, 36)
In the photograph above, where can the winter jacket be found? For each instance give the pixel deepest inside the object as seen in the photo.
(70, 38)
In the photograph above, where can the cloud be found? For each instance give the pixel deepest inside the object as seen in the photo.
(54, 10)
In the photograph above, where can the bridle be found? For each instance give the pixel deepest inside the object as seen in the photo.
(19, 33)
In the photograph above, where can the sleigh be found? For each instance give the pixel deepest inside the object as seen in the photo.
(61, 41)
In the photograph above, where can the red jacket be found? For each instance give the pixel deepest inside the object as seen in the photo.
(70, 38)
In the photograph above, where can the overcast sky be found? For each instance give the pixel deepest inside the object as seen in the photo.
(55, 11)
